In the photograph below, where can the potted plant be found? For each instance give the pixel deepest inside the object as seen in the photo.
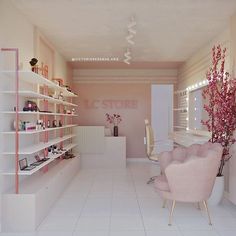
(220, 94)
(114, 119)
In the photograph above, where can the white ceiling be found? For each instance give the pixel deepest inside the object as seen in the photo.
(167, 30)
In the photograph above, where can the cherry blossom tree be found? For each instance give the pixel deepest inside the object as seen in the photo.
(221, 107)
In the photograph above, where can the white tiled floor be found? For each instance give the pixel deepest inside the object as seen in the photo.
(120, 203)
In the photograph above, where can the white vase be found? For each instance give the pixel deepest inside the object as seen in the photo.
(217, 191)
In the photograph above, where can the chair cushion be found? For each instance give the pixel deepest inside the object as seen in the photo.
(161, 183)
(176, 162)
(192, 157)
(204, 149)
(179, 154)
(193, 149)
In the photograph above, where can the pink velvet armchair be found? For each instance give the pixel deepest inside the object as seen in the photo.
(188, 174)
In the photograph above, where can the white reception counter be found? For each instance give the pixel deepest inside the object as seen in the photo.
(100, 151)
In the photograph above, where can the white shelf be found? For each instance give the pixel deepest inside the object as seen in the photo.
(179, 127)
(37, 113)
(30, 172)
(34, 78)
(32, 94)
(185, 109)
(39, 131)
(40, 146)
(51, 157)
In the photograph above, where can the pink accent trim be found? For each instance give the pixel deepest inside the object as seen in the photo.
(45, 107)
(71, 119)
(62, 119)
(16, 50)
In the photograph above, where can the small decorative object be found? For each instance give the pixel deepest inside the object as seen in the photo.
(58, 81)
(220, 94)
(50, 149)
(23, 163)
(37, 158)
(68, 88)
(73, 111)
(30, 106)
(54, 95)
(60, 123)
(35, 68)
(68, 155)
(54, 123)
(44, 70)
(114, 119)
(29, 126)
(60, 96)
(48, 124)
(54, 149)
(33, 63)
(39, 124)
(20, 125)
(115, 131)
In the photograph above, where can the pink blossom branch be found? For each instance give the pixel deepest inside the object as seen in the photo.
(221, 108)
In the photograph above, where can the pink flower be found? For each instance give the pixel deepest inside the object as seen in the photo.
(114, 119)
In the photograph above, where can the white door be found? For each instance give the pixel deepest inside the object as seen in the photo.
(162, 116)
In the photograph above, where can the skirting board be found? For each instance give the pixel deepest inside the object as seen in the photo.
(226, 195)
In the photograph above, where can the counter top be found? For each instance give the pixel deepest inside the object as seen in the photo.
(187, 138)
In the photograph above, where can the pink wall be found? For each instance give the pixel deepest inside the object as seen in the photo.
(131, 101)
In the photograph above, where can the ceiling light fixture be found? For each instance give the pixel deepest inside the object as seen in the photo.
(129, 38)
(127, 56)
(131, 31)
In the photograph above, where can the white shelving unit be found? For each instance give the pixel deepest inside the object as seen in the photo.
(45, 181)
(38, 113)
(180, 110)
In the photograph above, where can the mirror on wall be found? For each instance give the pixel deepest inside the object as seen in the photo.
(196, 110)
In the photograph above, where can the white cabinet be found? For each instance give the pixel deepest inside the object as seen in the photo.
(34, 204)
(98, 150)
